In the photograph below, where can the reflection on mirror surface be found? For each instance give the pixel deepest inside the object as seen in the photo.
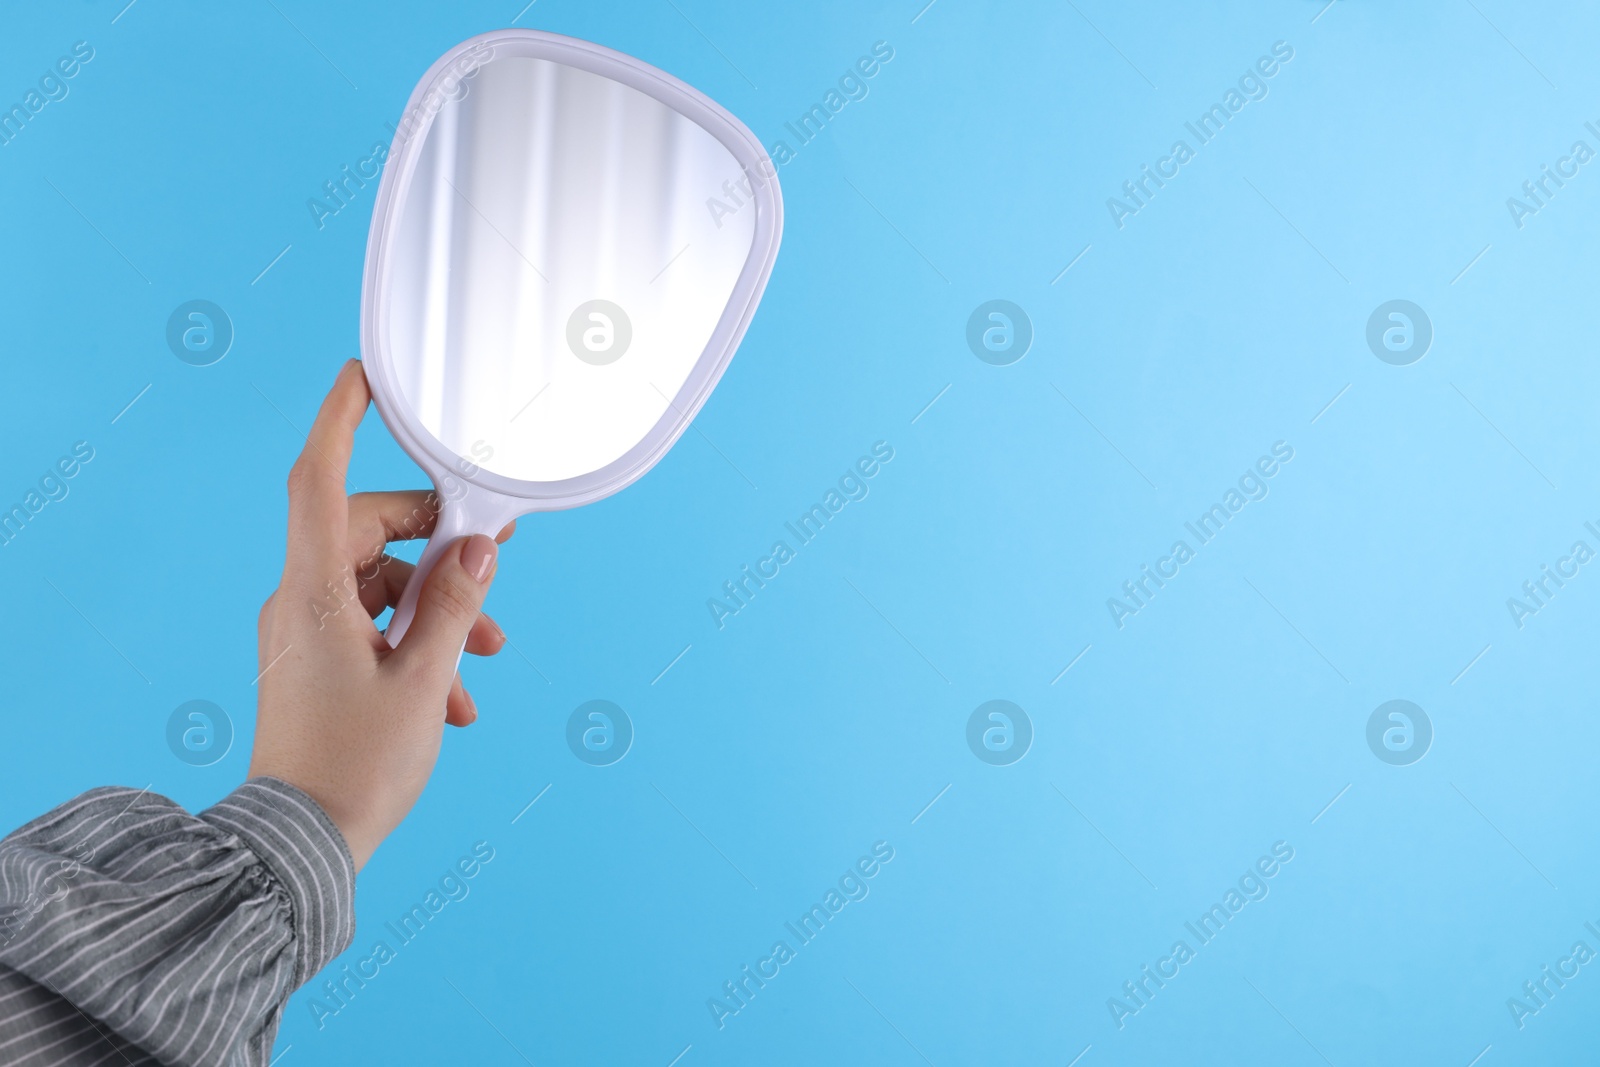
(554, 272)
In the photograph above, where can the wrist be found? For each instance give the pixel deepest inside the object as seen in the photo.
(352, 828)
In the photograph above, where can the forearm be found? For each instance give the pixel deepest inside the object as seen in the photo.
(126, 921)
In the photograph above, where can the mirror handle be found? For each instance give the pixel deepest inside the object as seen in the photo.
(476, 511)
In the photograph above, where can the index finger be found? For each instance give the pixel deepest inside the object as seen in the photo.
(381, 518)
(318, 510)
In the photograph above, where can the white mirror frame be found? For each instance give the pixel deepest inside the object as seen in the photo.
(474, 500)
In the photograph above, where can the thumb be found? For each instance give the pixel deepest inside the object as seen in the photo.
(452, 598)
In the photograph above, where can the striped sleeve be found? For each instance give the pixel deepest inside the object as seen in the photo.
(134, 932)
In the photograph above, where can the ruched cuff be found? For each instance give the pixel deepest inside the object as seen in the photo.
(295, 838)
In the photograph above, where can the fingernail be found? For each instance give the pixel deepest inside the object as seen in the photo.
(472, 707)
(477, 556)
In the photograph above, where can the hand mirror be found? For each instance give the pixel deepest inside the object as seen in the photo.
(566, 249)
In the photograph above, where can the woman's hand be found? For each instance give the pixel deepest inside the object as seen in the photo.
(341, 715)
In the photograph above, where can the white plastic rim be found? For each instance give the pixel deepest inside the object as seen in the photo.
(443, 465)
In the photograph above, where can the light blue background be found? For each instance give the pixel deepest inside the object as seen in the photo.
(1221, 319)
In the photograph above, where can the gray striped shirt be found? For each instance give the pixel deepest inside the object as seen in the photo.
(133, 932)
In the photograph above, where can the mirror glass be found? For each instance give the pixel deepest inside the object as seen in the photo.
(559, 262)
